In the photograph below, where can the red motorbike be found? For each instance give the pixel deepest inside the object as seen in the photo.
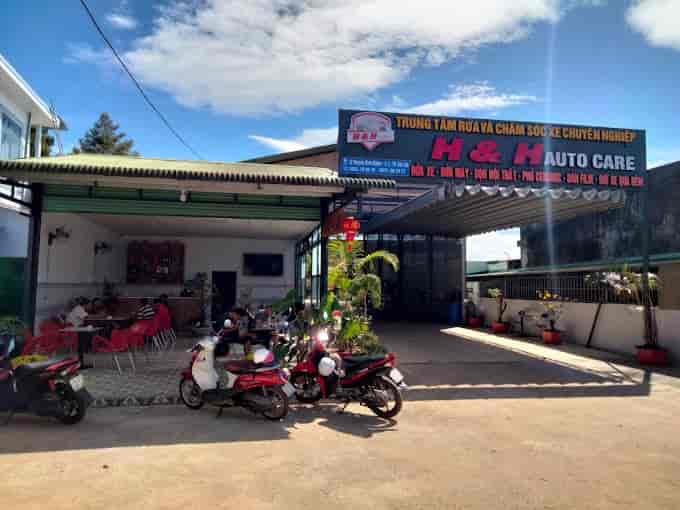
(257, 385)
(47, 388)
(372, 381)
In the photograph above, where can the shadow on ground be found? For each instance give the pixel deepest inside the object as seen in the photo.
(168, 425)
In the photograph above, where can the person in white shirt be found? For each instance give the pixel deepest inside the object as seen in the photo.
(77, 316)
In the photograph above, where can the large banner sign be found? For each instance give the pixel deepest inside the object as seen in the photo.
(489, 152)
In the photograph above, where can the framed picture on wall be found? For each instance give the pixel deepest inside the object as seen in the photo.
(155, 263)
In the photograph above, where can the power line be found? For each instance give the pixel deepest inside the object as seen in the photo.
(134, 80)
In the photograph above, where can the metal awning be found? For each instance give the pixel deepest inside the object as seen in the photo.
(460, 211)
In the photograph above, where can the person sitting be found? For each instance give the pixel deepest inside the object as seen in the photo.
(145, 311)
(76, 317)
(97, 307)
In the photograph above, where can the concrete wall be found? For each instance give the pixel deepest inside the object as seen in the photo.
(226, 254)
(619, 327)
(68, 268)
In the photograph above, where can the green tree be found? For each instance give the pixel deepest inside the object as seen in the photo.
(104, 138)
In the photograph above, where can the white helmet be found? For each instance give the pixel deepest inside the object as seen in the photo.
(261, 356)
(326, 366)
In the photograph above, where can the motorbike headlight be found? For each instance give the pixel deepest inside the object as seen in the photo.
(322, 336)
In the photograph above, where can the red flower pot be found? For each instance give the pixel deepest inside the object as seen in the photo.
(652, 356)
(499, 327)
(474, 322)
(551, 337)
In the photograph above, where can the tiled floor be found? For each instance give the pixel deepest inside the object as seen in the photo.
(155, 382)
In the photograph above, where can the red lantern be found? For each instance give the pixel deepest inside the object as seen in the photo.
(350, 227)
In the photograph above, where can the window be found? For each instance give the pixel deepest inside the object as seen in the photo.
(10, 141)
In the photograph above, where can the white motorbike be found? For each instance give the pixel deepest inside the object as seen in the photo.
(259, 386)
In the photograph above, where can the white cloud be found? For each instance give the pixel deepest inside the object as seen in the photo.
(121, 21)
(308, 138)
(84, 53)
(657, 20)
(500, 245)
(121, 17)
(272, 56)
(477, 97)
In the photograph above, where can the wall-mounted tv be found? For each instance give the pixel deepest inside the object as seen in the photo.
(262, 264)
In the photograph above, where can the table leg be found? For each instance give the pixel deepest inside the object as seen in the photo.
(84, 339)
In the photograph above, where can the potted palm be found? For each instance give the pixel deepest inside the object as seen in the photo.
(629, 284)
(552, 310)
(498, 326)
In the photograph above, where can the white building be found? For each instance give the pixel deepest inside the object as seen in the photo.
(24, 117)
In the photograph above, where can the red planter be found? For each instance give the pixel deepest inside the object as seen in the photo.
(499, 327)
(652, 356)
(551, 337)
(474, 322)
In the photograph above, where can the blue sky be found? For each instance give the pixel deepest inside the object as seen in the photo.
(245, 78)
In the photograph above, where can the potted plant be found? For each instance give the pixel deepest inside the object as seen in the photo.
(626, 282)
(498, 326)
(552, 310)
(11, 331)
(471, 314)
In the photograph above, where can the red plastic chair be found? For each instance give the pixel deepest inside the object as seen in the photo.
(165, 326)
(120, 342)
(46, 344)
(68, 340)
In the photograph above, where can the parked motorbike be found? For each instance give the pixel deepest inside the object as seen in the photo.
(257, 385)
(372, 381)
(46, 388)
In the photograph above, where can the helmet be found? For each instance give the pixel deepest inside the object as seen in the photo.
(262, 356)
(227, 324)
(326, 366)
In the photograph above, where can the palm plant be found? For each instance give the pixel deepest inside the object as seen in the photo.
(352, 276)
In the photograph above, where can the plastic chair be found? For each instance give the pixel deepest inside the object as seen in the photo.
(68, 340)
(48, 343)
(168, 335)
(120, 342)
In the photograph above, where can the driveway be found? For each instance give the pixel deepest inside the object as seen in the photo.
(484, 427)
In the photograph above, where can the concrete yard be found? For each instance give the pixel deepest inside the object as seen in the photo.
(488, 424)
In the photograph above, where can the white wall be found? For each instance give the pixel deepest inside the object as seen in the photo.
(68, 268)
(619, 327)
(13, 234)
(203, 254)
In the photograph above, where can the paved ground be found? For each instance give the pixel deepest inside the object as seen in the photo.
(484, 427)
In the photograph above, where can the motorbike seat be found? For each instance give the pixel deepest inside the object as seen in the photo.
(244, 366)
(356, 363)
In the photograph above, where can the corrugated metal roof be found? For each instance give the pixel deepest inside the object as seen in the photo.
(130, 166)
(439, 212)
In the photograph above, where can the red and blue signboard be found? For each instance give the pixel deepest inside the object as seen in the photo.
(489, 151)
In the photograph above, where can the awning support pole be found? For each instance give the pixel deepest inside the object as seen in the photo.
(649, 337)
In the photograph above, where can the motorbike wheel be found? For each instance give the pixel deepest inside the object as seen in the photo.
(73, 406)
(307, 390)
(394, 403)
(279, 409)
(190, 394)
